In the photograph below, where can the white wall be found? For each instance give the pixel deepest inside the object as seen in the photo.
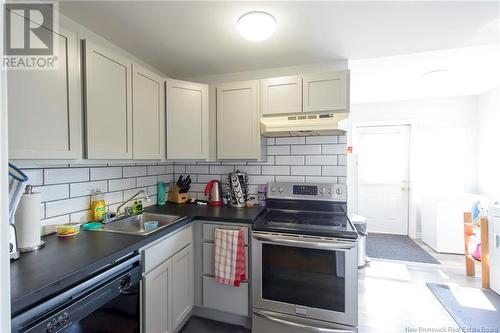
(4, 199)
(427, 117)
(488, 136)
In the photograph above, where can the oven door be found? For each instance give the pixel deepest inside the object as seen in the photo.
(311, 277)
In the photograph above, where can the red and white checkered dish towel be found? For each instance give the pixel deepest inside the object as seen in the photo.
(229, 256)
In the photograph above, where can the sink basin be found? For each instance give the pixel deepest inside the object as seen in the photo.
(138, 225)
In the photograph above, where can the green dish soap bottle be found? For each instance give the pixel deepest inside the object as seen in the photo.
(160, 196)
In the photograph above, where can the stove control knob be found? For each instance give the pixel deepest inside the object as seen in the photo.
(330, 190)
(322, 190)
(338, 191)
(280, 189)
(273, 189)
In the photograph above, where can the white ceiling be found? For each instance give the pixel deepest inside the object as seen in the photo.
(464, 71)
(186, 39)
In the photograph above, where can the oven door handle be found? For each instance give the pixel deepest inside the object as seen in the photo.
(298, 325)
(311, 243)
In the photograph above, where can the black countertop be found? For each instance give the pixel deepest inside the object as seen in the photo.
(211, 213)
(63, 262)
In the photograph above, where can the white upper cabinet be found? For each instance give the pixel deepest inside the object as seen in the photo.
(108, 102)
(148, 121)
(238, 133)
(325, 92)
(44, 107)
(282, 95)
(187, 120)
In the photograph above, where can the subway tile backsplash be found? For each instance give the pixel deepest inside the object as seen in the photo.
(66, 189)
(290, 159)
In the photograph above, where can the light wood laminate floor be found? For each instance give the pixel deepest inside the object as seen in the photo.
(393, 296)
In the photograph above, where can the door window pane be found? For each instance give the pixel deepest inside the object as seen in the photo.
(382, 158)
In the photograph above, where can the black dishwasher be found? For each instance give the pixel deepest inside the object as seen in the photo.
(107, 301)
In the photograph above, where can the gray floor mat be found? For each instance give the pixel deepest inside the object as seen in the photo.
(396, 247)
(474, 309)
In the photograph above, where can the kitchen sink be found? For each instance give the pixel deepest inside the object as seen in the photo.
(138, 225)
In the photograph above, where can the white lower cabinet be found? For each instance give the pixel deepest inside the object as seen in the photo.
(182, 285)
(168, 283)
(157, 299)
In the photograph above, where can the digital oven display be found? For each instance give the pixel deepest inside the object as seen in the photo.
(305, 190)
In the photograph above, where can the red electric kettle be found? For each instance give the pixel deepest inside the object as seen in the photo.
(214, 192)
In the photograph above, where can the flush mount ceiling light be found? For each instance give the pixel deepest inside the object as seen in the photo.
(256, 26)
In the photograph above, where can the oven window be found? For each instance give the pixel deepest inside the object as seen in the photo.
(120, 315)
(301, 276)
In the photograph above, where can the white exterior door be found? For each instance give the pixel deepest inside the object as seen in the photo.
(383, 172)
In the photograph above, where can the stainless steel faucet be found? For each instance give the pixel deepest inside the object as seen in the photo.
(146, 197)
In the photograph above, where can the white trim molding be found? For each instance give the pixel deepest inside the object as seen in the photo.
(4, 199)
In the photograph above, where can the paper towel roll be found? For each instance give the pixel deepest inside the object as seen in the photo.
(27, 220)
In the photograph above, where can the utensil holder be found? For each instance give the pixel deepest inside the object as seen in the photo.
(175, 196)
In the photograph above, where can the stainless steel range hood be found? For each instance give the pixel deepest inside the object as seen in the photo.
(303, 125)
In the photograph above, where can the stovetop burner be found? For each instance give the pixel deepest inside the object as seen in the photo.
(326, 224)
(302, 218)
(307, 209)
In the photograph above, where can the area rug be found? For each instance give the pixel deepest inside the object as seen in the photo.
(474, 309)
(396, 247)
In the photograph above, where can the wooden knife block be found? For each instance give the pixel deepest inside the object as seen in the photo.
(175, 196)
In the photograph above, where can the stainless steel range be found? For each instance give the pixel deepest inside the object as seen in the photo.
(304, 261)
